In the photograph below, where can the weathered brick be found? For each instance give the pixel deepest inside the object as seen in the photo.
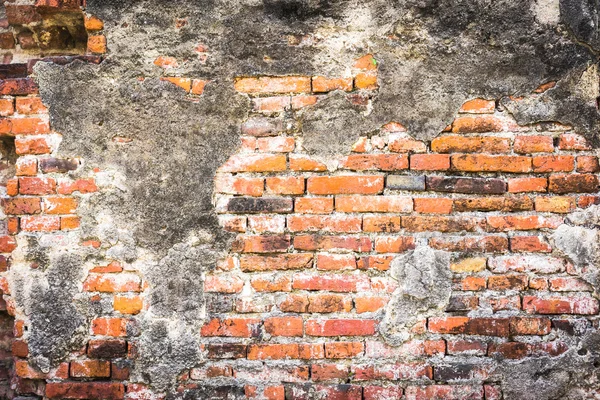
(32, 145)
(394, 244)
(479, 124)
(478, 106)
(110, 283)
(85, 390)
(470, 326)
(405, 182)
(231, 327)
(507, 282)
(464, 144)
(271, 104)
(226, 350)
(526, 263)
(441, 224)
(80, 185)
(328, 262)
(510, 350)
(365, 304)
(90, 369)
(246, 205)
(22, 205)
(128, 304)
(107, 349)
(381, 223)
(571, 141)
(553, 163)
(307, 351)
(279, 262)
(330, 282)
(403, 143)
(304, 163)
(522, 223)
(322, 84)
(42, 223)
(345, 184)
(261, 126)
(507, 204)
(533, 144)
(327, 372)
(314, 205)
(485, 163)
(392, 204)
(588, 164)
(529, 326)
(266, 223)
(329, 303)
(271, 283)
(284, 326)
(560, 305)
(569, 284)
(340, 327)
(312, 223)
(467, 347)
(529, 244)
(476, 244)
(397, 371)
(322, 242)
(262, 244)
(60, 205)
(18, 87)
(382, 392)
(476, 264)
(573, 183)
(458, 372)
(277, 84)
(277, 144)
(384, 162)
(466, 185)
(59, 165)
(433, 205)
(557, 204)
(343, 349)
(285, 185)
(255, 163)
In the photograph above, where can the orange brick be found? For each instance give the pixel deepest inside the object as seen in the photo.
(479, 124)
(557, 204)
(90, 369)
(7, 107)
(128, 304)
(478, 106)
(343, 349)
(533, 244)
(32, 145)
(365, 304)
(26, 166)
(40, 223)
(571, 141)
(184, 83)
(166, 62)
(24, 370)
(299, 102)
(405, 144)
(464, 144)
(399, 204)
(429, 162)
(533, 144)
(284, 326)
(242, 186)
(329, 262)
(447, 324)
(366, 62)
(432, 205)
(97, 44)
(553, 163)
(81, 185)
(30, 105)
(311, 223)
(286, 185)
(381, 223)
(29, 126)
(322, 84)
(69, 222)
(522, 223)
(522, 185)
(485, 163)
(231, 327)
(587, 164)
(93, 23)
(384, 162)
(441, 223)
(271, 283)
(363, 184)
(60, 205)
(277, 84)
(328, 303)
(111, 283)
(116, 327)
(303, 163)
(394, 244)
(314, 205)
(366, 80)
(340, 327)
(255, 163)
(198, 86)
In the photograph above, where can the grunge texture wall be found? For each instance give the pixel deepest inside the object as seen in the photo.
(299, 199)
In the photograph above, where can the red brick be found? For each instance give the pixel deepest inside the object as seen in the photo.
(570, 141)
(560, 305)
(322, 84)
(533, 144)
(345, 184)
(32, 145)
(588, 164)
(529, 244)
(529, 326)
(405, 144)
(394, 244)
(383, 162)
(328, 262)
(429, 162)
(553, 163)
(507, 282)
(485, 163)
(381, 223)
(231, 327)
(22, 205)
(322, 242)
(326, 372)
(284, 326)
(297, 303)
(365, 304)
(463, 144)
(276, 144)
(109, 326)
(381, 263)
(81, 185)
(521, 185)
(262, 244)
(343, 349)
(393, 372)
(271, 283)
(278, 262)
(285, 351)
(278, 84)
(285, 185)
(381, 392)
(85, 390)
(522, 223)
(255, 163)
(340, 327)
(30, 105)
(313, 223)
(478, 106)
(40, 223)
(110, 283)
(433, 205)
(241, 186)
(90, 369)
(18, 87)
(467, 347)
(441, 224)
(510, 350)
(331, 282)
(391, 204)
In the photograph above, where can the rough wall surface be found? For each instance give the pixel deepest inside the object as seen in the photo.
(300, 199)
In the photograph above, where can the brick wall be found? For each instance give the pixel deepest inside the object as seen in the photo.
(309, 279)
